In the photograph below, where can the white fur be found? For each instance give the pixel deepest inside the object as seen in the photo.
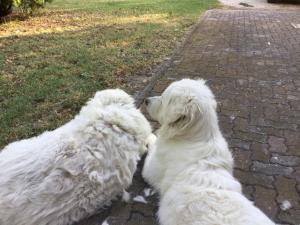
(191, 166)
(64, 175)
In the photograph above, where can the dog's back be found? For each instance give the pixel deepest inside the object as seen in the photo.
(64, 175)
(193, 205)
(54, 179)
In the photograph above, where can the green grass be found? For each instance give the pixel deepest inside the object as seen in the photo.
(52, 63)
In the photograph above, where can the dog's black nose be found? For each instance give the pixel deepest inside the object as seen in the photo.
(147, 101)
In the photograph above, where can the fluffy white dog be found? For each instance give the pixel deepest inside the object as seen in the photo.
(191, 166)
(64, 175)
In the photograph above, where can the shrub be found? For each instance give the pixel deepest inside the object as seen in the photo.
(26, 7)
(5, 7)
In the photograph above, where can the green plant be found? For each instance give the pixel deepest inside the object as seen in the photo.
(27, 7)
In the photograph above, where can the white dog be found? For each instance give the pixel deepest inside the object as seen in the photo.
(191, 166)
(64, 175)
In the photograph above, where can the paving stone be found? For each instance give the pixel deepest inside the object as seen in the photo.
(149, 209)
(287, 191)
(279, 124)
(247, 136)
(241, 124)
(271, 131)
(138, 218)
(248, 191)
(242, 159)
(271, 169)
(291, 216)
(271, 113)
(292, 138)
(250, 178)
(260, 152)
(265, 200)
(296, 176)
(119, 212)
(237, 143)
(277, 144)
(226, 128)
(285, 160)
(294, 150)
(96, 219)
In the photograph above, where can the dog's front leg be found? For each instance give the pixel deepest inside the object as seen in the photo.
(152, 170)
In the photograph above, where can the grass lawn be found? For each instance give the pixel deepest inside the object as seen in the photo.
(52, 63)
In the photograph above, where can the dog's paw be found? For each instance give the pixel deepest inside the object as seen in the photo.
(126, 197)
(150, 143)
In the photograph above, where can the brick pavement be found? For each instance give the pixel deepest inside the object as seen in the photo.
(251, 60)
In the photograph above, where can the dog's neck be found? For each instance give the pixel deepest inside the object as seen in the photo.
(181, 156)
(210, 152)
(205, 141)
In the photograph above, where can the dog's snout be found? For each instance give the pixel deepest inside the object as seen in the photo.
(147, 101)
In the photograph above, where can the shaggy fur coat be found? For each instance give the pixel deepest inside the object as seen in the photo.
(66, 174)
(191, 166)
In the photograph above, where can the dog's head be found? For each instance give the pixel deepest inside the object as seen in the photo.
(106, 98)
(118, 110)
(184, 107)
(113, 96)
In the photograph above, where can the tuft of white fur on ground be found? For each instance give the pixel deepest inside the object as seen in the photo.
(285, 205)
(152, 192)
(147, 192)
(191, 165)
(126, 197)
(105, 222)
(140, 199)
(66, 174)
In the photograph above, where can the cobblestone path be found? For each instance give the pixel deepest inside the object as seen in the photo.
(251, 60)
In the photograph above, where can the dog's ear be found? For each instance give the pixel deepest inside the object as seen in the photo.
(185, 114)
(182, 113)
